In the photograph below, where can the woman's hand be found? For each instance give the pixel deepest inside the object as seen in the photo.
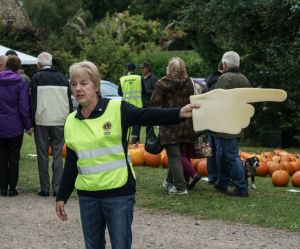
(60, 210)
(186, 111)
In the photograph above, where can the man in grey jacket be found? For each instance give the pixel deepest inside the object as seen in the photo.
(229, 165)
(50, 104)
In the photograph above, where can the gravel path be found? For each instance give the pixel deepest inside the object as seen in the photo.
(29, 222)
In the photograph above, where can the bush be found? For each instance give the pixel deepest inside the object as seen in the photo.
(159, 61)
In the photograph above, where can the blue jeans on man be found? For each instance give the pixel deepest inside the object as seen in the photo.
(230, 165)
(212, 171)
(114, 212)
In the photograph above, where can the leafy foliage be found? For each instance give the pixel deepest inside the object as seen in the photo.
(265, 34)
(50, 14)
(99, 9)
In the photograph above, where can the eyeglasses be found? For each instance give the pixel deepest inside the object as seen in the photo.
(142, 67)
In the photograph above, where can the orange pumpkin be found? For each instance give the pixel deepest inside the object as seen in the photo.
(296, 165)
(137, 155)
(286, 165)
(164, 159)
(244, 155)
(273, 166)
(296, 179)
(195, 161)
(152, 160)
(262, 169)
(280, 178)
(63, 151)
(201, 168)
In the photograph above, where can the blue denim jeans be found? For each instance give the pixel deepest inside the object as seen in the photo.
(230, 165)
(212, 171)
(114, 212)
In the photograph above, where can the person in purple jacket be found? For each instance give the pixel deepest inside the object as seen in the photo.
(14, 118)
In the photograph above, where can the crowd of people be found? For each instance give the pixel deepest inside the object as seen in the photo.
(97, 164)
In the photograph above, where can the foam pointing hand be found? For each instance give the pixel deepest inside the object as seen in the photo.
(229, 111)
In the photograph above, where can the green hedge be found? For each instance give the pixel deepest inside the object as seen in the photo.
(159, 61)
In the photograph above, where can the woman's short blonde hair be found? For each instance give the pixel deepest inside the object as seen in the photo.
(85, 69)
(176, 67)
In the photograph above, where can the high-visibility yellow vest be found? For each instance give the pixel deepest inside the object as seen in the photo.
(132, 89)
(97, 142)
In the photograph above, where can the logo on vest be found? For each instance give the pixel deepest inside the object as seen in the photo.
(106, 128)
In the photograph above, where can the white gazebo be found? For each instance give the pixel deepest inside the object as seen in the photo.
(26, 59)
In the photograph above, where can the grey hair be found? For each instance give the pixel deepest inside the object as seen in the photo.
(176, 67)
(231, 59)
(45, 59)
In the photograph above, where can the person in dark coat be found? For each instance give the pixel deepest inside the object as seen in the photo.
(174, 90)
(227, 151)
(14, 118)
(149, 81)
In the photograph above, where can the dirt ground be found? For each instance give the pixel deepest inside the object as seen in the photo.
(29, 222)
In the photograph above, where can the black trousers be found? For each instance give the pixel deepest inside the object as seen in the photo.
(9, 161)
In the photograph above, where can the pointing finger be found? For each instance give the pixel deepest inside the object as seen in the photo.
(250, 95)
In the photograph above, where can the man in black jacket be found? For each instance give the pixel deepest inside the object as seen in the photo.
(51, 103)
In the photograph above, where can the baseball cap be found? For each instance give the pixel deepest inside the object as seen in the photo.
(131, 66)
(11, 52)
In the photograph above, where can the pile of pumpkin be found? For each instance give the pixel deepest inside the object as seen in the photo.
(279, 164)
(140, 157)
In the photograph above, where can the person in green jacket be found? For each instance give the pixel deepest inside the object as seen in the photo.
(132, 89)
(228, 161)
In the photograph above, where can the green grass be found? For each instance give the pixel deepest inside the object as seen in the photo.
(267, 206)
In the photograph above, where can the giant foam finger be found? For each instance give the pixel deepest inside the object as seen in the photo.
(250, 95)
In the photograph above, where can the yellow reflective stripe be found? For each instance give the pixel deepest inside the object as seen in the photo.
(102, 167)
(100, 152)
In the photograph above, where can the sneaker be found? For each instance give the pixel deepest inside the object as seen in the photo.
(43, 194)
(219, 189)
(167, 185)
(237, 193)
(193, 180)
(175, 191)
(12, 192)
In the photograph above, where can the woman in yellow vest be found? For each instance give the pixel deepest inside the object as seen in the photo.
(97, 162)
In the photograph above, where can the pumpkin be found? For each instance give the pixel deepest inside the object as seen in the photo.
(266, 156)
(296, 165)
(152, 160)
(296, 179)
(280, 178)
(244, 155)
(164, 159)
(201, 167)
(195, 161)
(273, 166)
(262, 169)
(286, 165)
(63, 151)
(137, 155)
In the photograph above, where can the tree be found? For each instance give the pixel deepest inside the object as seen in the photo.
(99, 9)
(50, 15)
(265, 33)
